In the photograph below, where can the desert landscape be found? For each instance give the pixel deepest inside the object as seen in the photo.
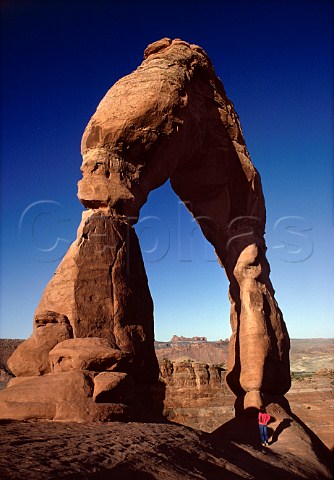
(90, 394)
(200, 400)
(197, 435)
(198, 438)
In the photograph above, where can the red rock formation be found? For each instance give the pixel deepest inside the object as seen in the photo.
(196, 394)
(101, 286)
(170, 119)
(91, 353)
(32, 356)
(178, 123)
(58, 396)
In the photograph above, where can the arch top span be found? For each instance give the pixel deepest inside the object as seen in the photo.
(170, 118)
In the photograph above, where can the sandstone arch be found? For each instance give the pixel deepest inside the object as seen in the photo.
(170, 119)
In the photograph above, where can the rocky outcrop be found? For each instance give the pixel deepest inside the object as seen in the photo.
(32, 356)
(58, 396)
(197, 351)
(177, 339)
(113, 387)
(101, 286)
(196, 394)
(91, 353)
(169, 119)
(84, 385)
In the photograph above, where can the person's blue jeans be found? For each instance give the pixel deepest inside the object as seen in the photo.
(263, 433)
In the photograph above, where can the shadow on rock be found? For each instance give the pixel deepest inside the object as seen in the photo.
(241, 430)
(325, 455)
(240, 441)
(281, 427)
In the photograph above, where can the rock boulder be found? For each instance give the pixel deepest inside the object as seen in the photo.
(113, 387)
(32, 356)
(95, 354)
(66, 396)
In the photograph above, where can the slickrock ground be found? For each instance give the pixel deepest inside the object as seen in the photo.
(168, 451)
(138, 451)
(312, 399)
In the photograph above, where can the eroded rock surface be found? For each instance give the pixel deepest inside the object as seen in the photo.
(57, 396)
(156, 451)
(196, 394)
(113, 387)
(32, 356)
(101, 286)
(94, 354)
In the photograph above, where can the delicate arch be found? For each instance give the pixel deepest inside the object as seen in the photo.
(171, 119)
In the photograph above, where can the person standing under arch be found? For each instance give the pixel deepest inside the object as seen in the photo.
(263, 418)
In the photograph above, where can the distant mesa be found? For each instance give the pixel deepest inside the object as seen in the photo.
(176, 339)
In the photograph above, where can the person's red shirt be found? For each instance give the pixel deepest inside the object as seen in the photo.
(263, 418)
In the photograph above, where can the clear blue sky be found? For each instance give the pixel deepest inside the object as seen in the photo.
(59, 58)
